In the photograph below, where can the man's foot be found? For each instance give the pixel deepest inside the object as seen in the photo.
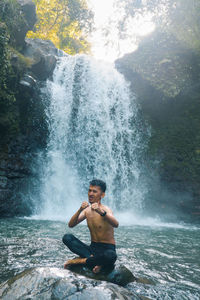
(75, 261)
(96, 269)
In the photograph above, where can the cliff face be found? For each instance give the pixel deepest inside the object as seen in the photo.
(165, 74)
(25, 64)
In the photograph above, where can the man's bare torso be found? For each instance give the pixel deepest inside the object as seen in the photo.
(100, 230)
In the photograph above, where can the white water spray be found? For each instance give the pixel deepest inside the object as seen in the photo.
(93, 133)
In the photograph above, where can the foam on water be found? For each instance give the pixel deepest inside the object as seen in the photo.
(169, 257)
(131, 219)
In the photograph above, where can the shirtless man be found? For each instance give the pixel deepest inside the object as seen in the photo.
(101, 223)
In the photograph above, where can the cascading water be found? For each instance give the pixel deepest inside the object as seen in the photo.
(93, 133)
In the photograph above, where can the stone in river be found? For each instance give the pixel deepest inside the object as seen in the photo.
(54, 283)
(120, 275)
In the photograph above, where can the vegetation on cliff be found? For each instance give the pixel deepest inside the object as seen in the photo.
(12, 18)
(165, 74)
(7, 77)
(12, 67)
(65, 23)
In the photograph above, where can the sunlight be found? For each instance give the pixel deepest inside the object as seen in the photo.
(108, 42)
(102, 9)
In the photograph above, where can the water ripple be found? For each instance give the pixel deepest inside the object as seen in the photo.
(167, 256)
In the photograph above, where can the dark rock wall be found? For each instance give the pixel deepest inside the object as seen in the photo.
(18, 154)
(165, 74)
(23, 128)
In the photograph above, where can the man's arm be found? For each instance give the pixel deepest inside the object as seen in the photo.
(79, 216)
(108, 216)
(111, 219)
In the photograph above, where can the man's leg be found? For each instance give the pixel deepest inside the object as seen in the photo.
(77, 247)
(106, 259)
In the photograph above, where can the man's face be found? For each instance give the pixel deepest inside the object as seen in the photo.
(95, 194)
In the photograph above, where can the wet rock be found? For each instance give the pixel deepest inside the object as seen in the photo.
(4, 194)
(43, 55)
(16, 174)
(28, 81)
(120, 275)
(5, 202)
(3, 182)
(54, 283)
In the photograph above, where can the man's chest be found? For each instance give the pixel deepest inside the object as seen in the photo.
(95, 221)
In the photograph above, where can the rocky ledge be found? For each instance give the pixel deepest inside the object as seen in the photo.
(55, 283)
(23, 128)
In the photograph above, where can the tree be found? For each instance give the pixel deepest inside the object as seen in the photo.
(65, 22)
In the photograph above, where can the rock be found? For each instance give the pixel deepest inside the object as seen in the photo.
(54, 283)
(43, 55)
(28, 10)
(162, 62)
(120, 275)
(16, 173)
(5, 202)
(3, 182)
(28, 81)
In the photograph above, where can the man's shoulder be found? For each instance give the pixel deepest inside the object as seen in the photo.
(88, 209)
(108, 209)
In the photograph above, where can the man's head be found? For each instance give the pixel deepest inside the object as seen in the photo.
(100, 183)
(96, 190)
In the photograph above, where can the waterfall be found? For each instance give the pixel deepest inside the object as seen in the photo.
(94, 132)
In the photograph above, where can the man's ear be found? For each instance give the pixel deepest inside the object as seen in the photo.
(102, 195)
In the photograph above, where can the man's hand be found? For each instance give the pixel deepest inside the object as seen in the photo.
(84, 205)
(95, 206)
(79, 216)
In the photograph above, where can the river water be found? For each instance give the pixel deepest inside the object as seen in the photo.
(168, 255)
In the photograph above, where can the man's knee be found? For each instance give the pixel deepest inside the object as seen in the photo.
(110, 256)
(68, 238)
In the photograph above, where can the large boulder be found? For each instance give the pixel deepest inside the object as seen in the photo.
(28, 10)
(43, 55)
(162, 62)
(54, 283)
(119, 275)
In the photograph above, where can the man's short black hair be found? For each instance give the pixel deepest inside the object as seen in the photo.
(99, 183)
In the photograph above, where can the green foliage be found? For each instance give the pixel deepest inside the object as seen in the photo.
(179, 17)
(65, 22)
(7, 94)
(5, 70)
